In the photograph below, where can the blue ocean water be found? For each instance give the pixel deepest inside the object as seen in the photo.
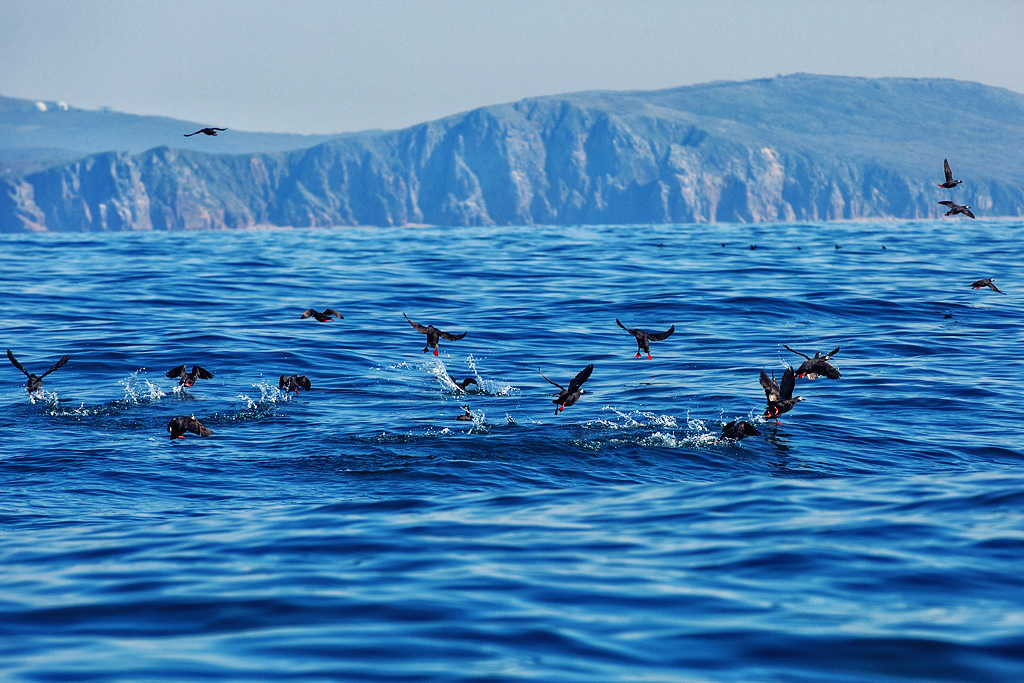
(360, 532)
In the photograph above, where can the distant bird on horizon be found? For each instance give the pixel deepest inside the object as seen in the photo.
(816, 367)
(949, 176)
(780, 399)
(643, 338)
(433, 334)
(179, 425)
(293, 383)
(987, 282)
(955, 208)
(205, 131)
(189, 378)
(324, 317)
(737, 430)
(35, 382)
(568, 397)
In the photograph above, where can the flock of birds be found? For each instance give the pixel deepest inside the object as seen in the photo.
(778, 395)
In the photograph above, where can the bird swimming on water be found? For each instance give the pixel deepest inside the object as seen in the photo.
(955, 208)
(739, 430)
(643, 338)
(205, 131)
(466, 416)
(433, 334)
(293, 383)
(327, 316)
(189, 378)
(985, 282)
(35, 382)
(949, 176)
(780, 398)
(816, 367)
(568, 397)
(179, 425)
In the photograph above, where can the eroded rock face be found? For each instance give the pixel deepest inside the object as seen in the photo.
(583, 159)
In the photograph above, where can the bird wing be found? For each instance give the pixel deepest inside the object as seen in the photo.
(771, 389)
(331, 311)
(948, 203)
(632, 332)
(309, 312)
(57, 366)
(416, 326)
(993, 286)
(220, 128)
(658, 336)
(305, 383)
(788, 384)
(949, 173)
(188, 135)
(823, 367)
(280, 382)
(202, 373)
(796, 352)
(196, 427)
(451, 337)
(831, 353)
(546, 377)
(10, 356)
(967, 211)
(581, 377)
(176, 372)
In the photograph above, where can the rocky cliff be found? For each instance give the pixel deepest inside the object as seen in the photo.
(794, 148)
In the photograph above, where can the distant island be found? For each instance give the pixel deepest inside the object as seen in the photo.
(793, 148)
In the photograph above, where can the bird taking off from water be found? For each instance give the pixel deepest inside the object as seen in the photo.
(780, 399)
(816, 367)
(328, 315)
(955, 208)
(189, 378)
(433, 334)
(737, 430)
(205, 131)
(179, 425)
(644, 339)
(293, 382)
(35, 382)
(949, 176)
(568, 397)
(987, 282)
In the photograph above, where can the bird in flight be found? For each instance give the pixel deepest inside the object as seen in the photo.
(644, 339)
(949, 176)
(433, 334)
(955, 208)
(816, 367)
(568, 397)
(987, 282)
(35, 382)
(324, 317)
(205, 131)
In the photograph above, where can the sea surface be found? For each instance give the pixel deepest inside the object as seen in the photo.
(359, 532)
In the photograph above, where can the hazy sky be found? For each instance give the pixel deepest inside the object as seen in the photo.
(324, 67)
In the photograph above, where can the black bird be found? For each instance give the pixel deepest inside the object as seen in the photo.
(955, 208)
(739, 430)
(465, 416)
(464, 383)
(433, 334)
(189, 378)
(293, 382)
(780, 399)
(179, 425)
(949, 176)
(205, 131)
(986, 282)
(643, 339)
(816, 367)
(35, 382)
(568, 397)
(324, 317)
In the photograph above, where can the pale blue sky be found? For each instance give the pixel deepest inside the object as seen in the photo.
(310, 66)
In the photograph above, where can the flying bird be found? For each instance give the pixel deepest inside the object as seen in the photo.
(816, 367)
(205, 131)
(644, 339)
(433, 334)
(35, 382)
(568, 397)
(780, 398)
(179, 425)
(986, 282)
(739, 430)
(955, 208)
(189, 378)
(949, 176)
(293, 382)
(328, 315)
